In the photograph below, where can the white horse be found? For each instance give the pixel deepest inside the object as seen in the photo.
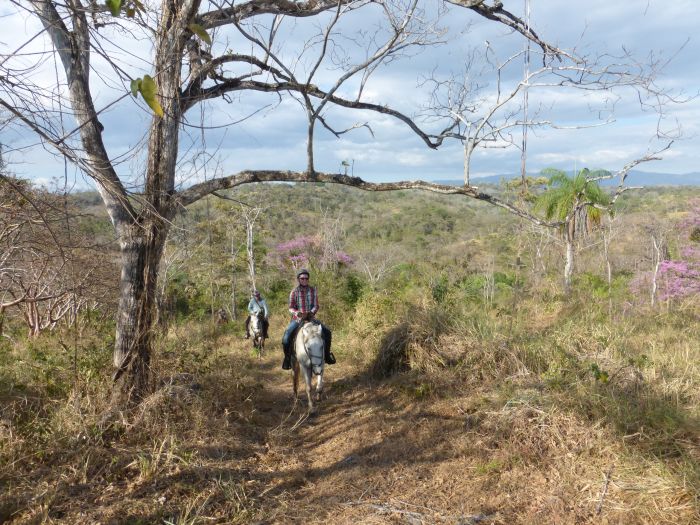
(308, 359)
(256, 328)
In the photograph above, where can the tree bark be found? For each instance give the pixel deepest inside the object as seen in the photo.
(141, 251)
(655, 272)
(569, 265)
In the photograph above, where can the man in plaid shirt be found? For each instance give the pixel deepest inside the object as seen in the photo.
(303, 302)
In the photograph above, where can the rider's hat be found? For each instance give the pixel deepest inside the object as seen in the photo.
(256, 293)
(303, 271)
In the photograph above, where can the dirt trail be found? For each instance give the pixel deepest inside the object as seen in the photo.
(368, 456)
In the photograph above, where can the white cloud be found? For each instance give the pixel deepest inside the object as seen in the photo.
(274, 138)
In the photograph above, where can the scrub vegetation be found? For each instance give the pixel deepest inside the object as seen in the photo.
(472, 385)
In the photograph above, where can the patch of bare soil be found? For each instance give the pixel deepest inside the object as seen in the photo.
(414, 450)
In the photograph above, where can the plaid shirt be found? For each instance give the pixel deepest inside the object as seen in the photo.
(303, 300)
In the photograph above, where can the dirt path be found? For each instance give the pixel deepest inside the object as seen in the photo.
(369, 456)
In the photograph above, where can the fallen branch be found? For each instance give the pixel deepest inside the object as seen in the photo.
(606, 482)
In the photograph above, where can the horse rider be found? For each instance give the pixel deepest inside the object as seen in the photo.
(303, 303)
(257, 304)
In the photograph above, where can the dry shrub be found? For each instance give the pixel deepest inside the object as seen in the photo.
(428, 337)
(392, 357)
(414, 344)
(168, 405)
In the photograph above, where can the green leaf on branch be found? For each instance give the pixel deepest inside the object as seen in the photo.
(135, 86)
(147, 87)
(200, 32)
(114, 6)
(148, 91)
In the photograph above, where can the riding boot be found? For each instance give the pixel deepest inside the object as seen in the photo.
(287, 363)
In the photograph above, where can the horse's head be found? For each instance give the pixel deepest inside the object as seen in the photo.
(311, 331)
(312, 338)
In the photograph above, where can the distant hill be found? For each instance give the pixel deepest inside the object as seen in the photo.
(635, 178)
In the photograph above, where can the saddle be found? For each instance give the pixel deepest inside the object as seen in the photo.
(303, 321)
(328, 355)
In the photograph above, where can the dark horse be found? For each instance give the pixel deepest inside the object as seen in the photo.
(257, 322)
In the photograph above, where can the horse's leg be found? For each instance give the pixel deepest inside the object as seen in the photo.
(308, 378)
(319, 386)
(295, 382)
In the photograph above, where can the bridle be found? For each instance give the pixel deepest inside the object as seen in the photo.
(306, 348)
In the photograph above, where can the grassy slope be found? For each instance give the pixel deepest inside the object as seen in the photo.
(498, 416)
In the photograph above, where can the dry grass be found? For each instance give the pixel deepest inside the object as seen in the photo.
(474, 420)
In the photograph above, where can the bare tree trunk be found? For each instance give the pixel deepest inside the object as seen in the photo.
(468, 149)
(654, 274)
(141, 251)
(569, 265)
(251, 254)
(526, 75)
(210, 264)
(142, 237)
(234, 253)
(250, 216)
(607, 235)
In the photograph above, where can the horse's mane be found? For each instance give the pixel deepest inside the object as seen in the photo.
(311, 330)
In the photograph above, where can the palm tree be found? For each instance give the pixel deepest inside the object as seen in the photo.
(577, 203)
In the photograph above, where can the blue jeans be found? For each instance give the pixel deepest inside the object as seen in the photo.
(293, 325)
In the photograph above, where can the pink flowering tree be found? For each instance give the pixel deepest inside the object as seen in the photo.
(307, 251)
(677, 278)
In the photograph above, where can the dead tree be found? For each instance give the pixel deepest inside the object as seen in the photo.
(250, 215)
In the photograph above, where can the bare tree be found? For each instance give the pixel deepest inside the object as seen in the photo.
(250, 215)
(491, 110)
(187, 71)
(378, 264)
(330, 233)
(36, 244)
(657, 246)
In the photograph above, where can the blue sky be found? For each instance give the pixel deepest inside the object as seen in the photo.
(274, 137)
